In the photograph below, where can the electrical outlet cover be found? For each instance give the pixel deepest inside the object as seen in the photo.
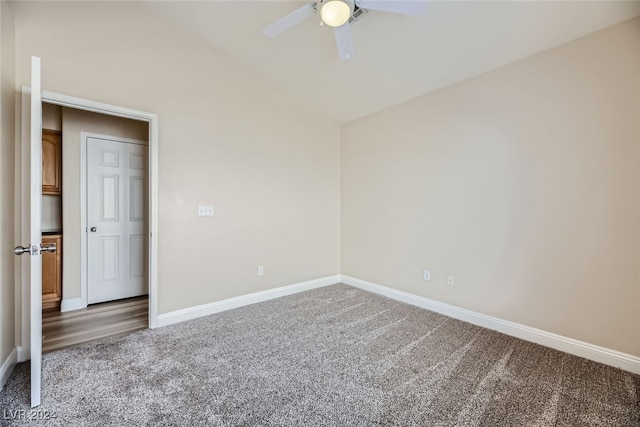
(205, 210)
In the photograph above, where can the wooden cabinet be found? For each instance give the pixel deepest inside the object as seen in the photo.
(52, 185)
(52, 272)
(51, 162)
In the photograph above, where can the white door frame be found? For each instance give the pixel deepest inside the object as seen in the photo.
(22, 197)
(84, 272)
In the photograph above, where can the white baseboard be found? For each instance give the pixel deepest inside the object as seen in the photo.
(568, 345)
(240, 301)
(71, 304)
(7, 367)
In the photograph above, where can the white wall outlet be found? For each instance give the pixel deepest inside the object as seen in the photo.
(260, 270)
(205, 210)
(427, 275)
(450, 280)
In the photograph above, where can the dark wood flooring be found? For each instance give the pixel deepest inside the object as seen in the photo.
(61, 330)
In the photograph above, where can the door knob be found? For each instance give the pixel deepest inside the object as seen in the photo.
(19, 250)
(50, 248)
(35, 250)
(93, 229)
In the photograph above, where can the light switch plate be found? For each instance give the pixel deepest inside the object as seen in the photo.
(205, 210)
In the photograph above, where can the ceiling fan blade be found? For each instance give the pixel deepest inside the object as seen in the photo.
(403, 7)
(290, 20)
(344, 41)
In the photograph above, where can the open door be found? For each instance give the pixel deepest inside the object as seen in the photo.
(33, 246)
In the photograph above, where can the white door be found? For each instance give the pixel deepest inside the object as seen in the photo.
(32, 265)
(116, 219)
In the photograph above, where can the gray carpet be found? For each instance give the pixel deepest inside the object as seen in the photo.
(334, 356)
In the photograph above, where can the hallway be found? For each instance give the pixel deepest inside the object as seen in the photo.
(61, 330)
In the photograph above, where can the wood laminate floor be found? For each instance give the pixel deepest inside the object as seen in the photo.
(60, 330)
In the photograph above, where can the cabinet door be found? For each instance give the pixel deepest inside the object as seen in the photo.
(52, 272)
(51, 162)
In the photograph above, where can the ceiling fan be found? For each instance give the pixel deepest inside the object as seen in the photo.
(340, 14)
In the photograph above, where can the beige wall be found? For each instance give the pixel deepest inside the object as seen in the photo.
(7, 129)
(74, 122)
(523, 183)
(227, 137)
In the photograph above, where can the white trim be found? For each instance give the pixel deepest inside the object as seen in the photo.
(242, 300)
(83, 222)
(96, 107)
(593, 352)
(153, 222)
(22, 199)
(71, 304)
(84, 262)
(7, 367)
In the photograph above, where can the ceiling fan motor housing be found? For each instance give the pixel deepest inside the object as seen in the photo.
(340, 14)
(336, 13)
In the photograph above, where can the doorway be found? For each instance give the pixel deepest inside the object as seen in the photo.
(112, 197)
(78, 104)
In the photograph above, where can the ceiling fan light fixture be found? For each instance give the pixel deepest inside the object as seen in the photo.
(335, 13)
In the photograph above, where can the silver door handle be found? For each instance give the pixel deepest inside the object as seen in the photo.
(51, 248)
(19, 250)
(93, 229)
(34, 250)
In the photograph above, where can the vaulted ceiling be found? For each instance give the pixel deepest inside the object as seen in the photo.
(396, 57)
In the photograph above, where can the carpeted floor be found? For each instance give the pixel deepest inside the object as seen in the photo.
(334, 356)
